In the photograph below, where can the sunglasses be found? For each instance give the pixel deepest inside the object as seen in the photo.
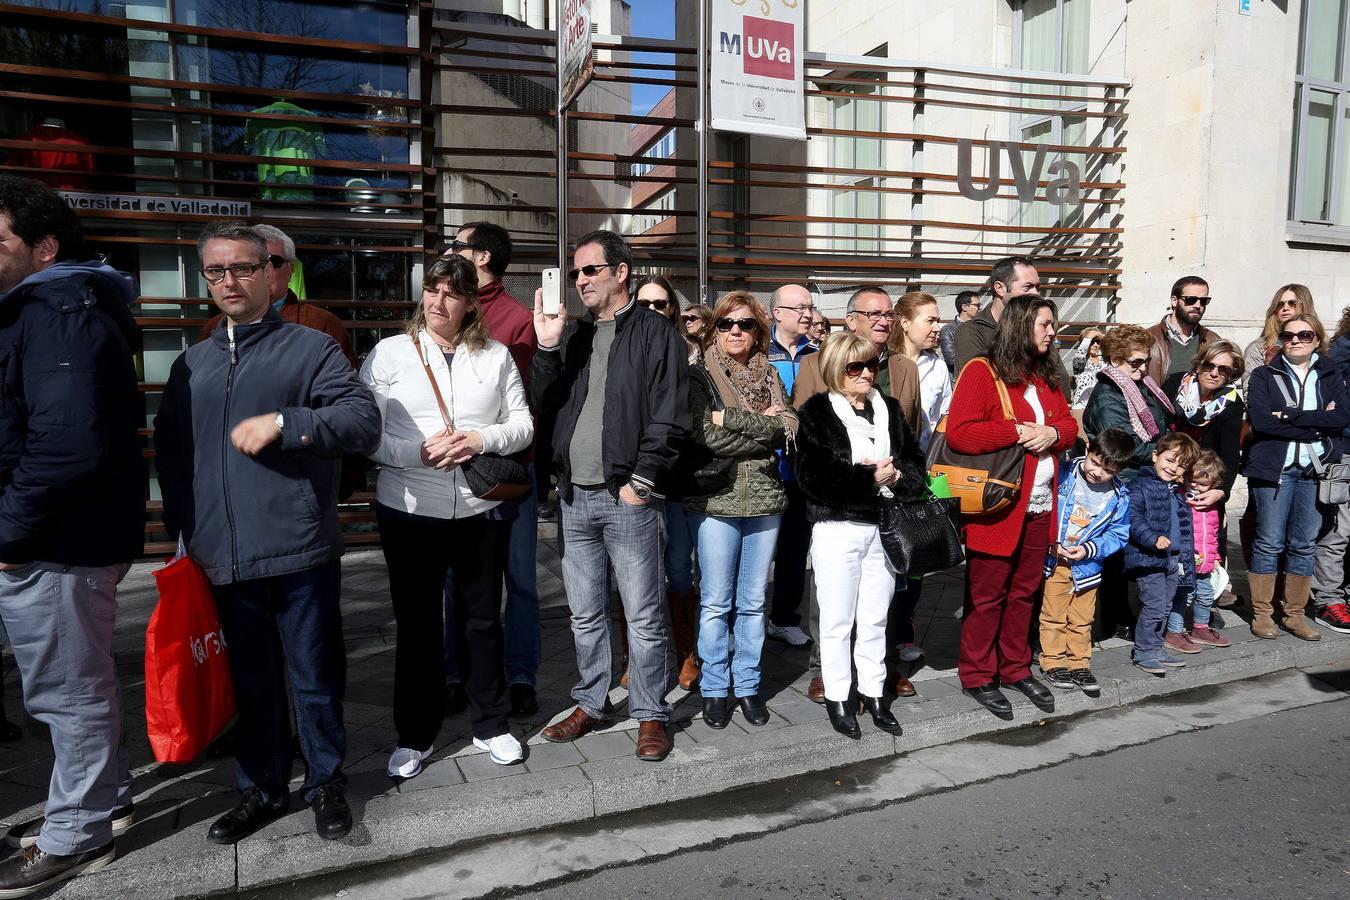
(654, 304)
(588, 271)
(1137, 363)
(1195, 301)
(854, 369)
(277, 261)
(1297, 337)
(691, 317)
(458, 246)
(746, 325)
(1291, 304)
(1225, 372)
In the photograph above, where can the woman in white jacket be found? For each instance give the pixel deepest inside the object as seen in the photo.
(430, 521)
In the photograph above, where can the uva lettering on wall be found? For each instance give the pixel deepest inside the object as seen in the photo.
(1065, 189)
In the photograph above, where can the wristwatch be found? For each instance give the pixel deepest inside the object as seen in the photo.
(281, 423)
(643, 492)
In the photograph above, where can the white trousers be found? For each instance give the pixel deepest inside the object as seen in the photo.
(853, 588)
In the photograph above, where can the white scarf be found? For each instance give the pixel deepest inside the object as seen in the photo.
(867, 441)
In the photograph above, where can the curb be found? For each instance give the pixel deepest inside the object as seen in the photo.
(707, 762)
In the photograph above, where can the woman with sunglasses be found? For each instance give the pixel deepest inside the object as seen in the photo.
(697, 321)
(1006, 551)
(741, 414)
(1298, 410)
(854, 450)
(1289, 301)
(446, 392)
(1126, 397)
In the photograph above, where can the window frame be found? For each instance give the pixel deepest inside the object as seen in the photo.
(1337, 225)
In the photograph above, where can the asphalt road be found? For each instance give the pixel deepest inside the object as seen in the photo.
(1259, 808)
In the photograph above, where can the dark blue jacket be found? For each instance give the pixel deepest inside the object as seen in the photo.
(252, 517)
(1153, 502)
(72, 476)
(1271, 437)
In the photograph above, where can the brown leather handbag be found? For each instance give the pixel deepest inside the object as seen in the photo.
(490, 476)
(985, 483)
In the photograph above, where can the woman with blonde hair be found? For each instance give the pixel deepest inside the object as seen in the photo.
(740, 416)
(1289, 300)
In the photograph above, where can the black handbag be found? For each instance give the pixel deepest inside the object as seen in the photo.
(704, 473)
(921, 536)
(490, 476)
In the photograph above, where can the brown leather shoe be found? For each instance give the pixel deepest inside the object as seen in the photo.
(903, 687)
(816, 692)
(653, 743)
(571, 728)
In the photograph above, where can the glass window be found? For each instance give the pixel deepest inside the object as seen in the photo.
(1321, 176)
(1053, 36)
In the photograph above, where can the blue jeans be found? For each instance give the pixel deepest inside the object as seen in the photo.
(1201, 603)
(734, 557)
(280, 628)
(522, 633)
(1157, 597)
(1287, 522)
(680, 538)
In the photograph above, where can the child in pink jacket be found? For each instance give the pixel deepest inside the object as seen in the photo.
(1207, 473)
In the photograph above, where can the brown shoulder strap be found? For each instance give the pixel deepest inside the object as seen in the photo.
(435, 388)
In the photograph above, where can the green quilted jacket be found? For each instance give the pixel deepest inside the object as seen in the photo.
(749, 437)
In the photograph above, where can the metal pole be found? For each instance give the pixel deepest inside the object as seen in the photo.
(702, 240)
(562, 144)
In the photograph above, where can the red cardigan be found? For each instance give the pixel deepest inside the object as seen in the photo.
(975, 424)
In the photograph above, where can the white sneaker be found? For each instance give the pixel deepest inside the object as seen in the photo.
(405, 762)
(504, 749)
(791, 635)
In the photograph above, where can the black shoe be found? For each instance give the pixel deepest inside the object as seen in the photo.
(332, 815)
(25, 834)
(251, 813)
(842, 717)
(1087, 682)
(456, 700)
(716, 712)
(1036, 692)
(1125, 632)
(1060, 677)
(992, 699)
(881, 715)
(754, 710)
(523, 701)
(35, 869)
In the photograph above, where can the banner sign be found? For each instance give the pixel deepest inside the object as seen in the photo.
(201, 206)
(574, 49)
(756, 83)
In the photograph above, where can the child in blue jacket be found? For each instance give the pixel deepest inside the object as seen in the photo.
(1094, 522)
(1160, 556)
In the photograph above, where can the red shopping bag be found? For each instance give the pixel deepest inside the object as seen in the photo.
(189, 693)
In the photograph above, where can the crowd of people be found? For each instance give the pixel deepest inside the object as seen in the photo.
(725, 468)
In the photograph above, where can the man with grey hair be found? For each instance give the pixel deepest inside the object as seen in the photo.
(250, 430)
(281, 254)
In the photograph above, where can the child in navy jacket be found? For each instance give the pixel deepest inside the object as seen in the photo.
(1093, 523)
(1161, 554)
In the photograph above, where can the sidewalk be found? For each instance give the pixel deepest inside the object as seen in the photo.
(462, 796)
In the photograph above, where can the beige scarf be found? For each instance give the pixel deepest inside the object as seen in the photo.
(753, 386)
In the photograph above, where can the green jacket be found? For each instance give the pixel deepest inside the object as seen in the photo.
(749, 437)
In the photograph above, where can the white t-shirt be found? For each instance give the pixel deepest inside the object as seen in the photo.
(1043, 483)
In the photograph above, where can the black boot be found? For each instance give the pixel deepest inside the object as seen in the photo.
(881, 715)
(716, 712)
(842, 717)
(754, 710)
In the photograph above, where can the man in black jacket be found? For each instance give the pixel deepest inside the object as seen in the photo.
(618, 381)
(248, 440)
(72, 518)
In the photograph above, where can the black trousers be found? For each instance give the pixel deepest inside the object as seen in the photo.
(789, 565)
(418, 551)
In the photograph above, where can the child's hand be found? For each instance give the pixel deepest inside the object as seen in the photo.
(1163, 542)
(1074, 554)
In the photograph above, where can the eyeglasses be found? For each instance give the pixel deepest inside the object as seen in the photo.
(1195, 301)
(241, 272)
(746, 325)
(277, 261)
(854, 369)
(1137, 363)
(458, 246)
(875, 316)
(1297, 337)
(1225, 372)
(657, 305)
(588, 271)
(801, 311)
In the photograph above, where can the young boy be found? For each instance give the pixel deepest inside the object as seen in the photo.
(1094, 522)
(1206, 474)
(1160, 556)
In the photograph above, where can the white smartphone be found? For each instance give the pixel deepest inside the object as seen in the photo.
(552, 292)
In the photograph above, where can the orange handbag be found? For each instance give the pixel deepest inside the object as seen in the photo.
(985, 483)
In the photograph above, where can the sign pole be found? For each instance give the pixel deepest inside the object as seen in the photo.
(702, 226)
(561, 156)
